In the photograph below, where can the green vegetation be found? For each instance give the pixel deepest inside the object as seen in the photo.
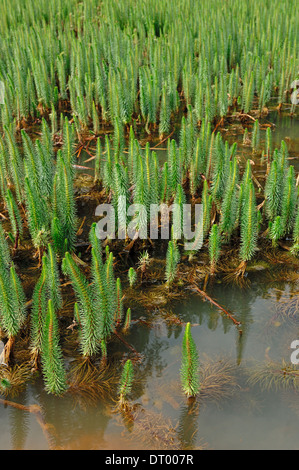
(52, 360)
(116, 80)
(115, 62)
(126, 382)
(190, 365)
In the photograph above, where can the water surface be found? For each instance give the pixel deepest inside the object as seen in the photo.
(244, 416)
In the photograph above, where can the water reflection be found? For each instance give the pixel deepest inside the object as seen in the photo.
(268, 313)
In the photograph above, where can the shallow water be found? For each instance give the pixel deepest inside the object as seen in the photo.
(244, 417)
(230, 412)
(284, 127)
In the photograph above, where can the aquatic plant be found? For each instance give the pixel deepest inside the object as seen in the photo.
(276, 230)
(112, 307)
(64, 222)
(107, 168)
(37, 216)
(198, 160)
(143, 262)
(214, 246)
(99, 303)
(13, 379)
(265, 91)
(164, 117)
(127, 322)
(295, 237)
(222, 155)
(53, 281)
(202, 228)
(119, 303)
(218, 379)
(268, 149)
(89, 317)
(288, 203)
(141, 199)
(132, 276)
(14, 217)
(248, 91)
(249, 224)
(45, 157)
(255, 139)
(178, 213)
(274, 186)
(123, 78)
(38, 312)
(18, 297)
(67, 80)
(5, 256)
(12, 304)
(31, 162)
(229, 205)
(172, 260)
(273, 376)
(98, 162)
(15, 166)
(51, 356)
(4, 385)
(189, 365)
(272, 191)
(126, 382)
(47, 288)
(100, 294)
(120, 197)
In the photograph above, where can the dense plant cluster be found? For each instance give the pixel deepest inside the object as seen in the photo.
(72, 68)
(117, 62)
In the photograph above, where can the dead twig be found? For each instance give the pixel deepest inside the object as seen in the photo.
(126, 343)
(161, 141)
(36, 410)
(207, 297)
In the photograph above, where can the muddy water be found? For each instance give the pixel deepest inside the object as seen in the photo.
(283, 127)
(249, 387)
(231, 412)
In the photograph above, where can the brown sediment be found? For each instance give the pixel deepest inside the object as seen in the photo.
(87, 383)
(8, 349)
(273, 375)
(218, 380)
(152, 430)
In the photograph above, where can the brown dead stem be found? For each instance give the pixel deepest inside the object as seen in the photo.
(212, 301)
